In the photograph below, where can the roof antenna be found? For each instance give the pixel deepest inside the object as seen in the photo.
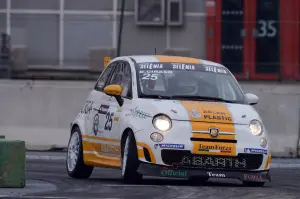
(155, 51)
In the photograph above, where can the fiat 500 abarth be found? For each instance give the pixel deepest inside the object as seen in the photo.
(169, 116)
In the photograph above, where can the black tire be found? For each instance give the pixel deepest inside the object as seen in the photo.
(80, 170)
(253, 184)
(196, 180)
(130, 161)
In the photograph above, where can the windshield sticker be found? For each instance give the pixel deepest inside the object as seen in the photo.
(167, 68)
(151, 66)
(178, 66)
(157, 71)
(150, 76)
(215, 69)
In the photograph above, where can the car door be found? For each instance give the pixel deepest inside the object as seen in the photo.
(98, 112)
(122, 77)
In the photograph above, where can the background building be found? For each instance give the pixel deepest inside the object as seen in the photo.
(64, 32)
(256, 39)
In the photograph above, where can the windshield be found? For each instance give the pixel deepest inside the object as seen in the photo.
(188, 81)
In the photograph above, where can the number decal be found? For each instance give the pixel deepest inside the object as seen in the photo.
(267, 28)
(150, 76)
(96, 124)
(109, 121)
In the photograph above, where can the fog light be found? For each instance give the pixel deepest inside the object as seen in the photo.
(263, 142)
(156, 137)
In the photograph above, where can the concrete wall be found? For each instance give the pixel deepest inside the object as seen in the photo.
(41, 115)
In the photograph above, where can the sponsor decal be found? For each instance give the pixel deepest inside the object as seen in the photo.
(214, 69)
(119, 110)
(103, 109)
(116, 119)
(156, 72)
(169, 146)
(253, 177)
(214, 148)
(216, 115)
(179, 66)
(195, 114)
(209, 161)
(109, 148)
(251, 150)
(173, 173)
(88, 106)
(136, 113)
(151, 66)
(216, 175)
(214, 132)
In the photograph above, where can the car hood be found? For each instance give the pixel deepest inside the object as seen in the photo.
(200, 111)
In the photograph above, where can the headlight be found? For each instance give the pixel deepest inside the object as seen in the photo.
(256, 127)
(162, 123)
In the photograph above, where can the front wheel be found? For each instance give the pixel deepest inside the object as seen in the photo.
(74, 163)
(130, 162)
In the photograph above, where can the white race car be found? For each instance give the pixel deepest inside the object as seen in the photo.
(173, 117)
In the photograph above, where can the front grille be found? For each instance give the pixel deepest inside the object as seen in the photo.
(186, 159)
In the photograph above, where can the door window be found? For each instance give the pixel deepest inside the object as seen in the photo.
(122, 77)
(104, 77)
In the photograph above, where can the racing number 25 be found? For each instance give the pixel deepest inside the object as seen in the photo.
(150, 76)
(109, 121)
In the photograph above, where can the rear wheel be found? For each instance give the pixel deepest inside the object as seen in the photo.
(74, 163)
(253, 184)
(130, 162)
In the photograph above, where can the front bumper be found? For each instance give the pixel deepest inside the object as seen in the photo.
(185, 173)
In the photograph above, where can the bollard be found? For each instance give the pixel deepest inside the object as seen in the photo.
(12, 163)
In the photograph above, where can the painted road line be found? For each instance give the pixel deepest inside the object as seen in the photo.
(45, 157)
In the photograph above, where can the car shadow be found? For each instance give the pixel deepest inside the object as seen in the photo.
(170, 182)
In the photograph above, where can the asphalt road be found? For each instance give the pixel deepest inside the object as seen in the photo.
(47, 178)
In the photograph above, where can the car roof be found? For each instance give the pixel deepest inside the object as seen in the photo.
(172, 59)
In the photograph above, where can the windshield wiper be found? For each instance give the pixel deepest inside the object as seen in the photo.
(155, 96)
(202, 98)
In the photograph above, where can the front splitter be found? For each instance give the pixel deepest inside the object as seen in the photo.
(172, 172)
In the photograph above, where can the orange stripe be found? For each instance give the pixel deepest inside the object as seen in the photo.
(141, 153)
(101, 147)
(177, 59)
(268, 161)
(210, 112)
(141, 144)
(100, 138)
(211, 115)
(207, 136)
(101, 161)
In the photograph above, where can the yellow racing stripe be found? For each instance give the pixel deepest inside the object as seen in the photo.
(101, 147)
(206, 115)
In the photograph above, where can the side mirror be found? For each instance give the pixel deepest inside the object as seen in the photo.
(252, 98)
(114, 90)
